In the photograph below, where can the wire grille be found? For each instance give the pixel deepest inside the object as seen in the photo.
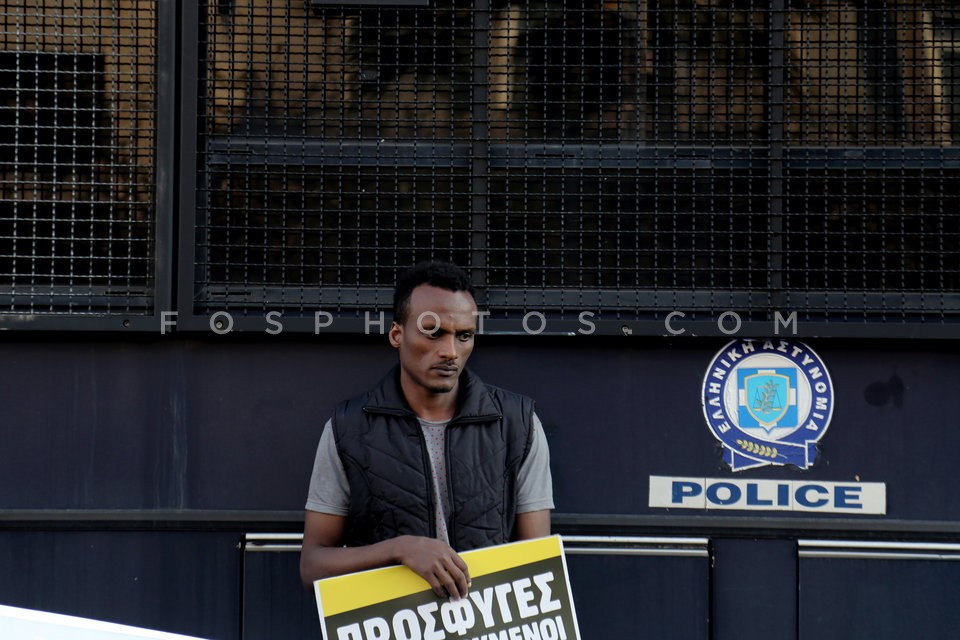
(77, 106)
(630, 158)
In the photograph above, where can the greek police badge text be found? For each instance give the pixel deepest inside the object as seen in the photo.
(767, 402)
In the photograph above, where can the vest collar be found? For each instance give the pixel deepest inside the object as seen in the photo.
(474, 402)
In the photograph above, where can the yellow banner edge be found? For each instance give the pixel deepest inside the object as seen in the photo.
(340, 594)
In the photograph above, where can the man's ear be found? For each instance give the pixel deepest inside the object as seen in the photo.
(394, 334)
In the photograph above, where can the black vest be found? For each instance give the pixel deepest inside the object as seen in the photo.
(384, 455)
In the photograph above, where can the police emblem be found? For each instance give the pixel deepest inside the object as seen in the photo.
(767, 402)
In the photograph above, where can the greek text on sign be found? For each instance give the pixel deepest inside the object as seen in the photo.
(519, 591)
(768, 402)
(866, 498)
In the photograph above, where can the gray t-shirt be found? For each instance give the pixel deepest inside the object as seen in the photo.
(330, 492)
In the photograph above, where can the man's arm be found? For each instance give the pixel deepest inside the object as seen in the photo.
(534, 488)
(322, 556)
(532, 524)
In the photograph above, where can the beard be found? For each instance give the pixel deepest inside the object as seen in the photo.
(444, 389)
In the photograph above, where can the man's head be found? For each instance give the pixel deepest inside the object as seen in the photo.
(442, 275)
(435, 321)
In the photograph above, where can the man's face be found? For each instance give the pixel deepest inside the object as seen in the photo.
(436, 339)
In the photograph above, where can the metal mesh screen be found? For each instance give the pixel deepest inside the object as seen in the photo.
(628, 158)
(77, 105)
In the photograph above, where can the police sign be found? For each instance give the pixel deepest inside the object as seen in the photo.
(768, 402)
(865, 498)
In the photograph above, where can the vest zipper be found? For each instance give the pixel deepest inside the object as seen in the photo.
(452, 516)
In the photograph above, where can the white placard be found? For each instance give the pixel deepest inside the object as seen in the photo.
(27, 624)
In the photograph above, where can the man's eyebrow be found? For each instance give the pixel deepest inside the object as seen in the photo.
(435, 329)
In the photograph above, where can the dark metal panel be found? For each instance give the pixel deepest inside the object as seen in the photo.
(753, 587)
(640, 597)
(275, 604)
(260, 431)
(880, 599)
(228, 423)
(170, 425)
(178, 582)
(92, 425)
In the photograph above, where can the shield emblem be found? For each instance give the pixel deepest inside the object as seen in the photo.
(767, 397)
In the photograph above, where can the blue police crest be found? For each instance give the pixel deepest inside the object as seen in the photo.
(767, 402)
(767, 398)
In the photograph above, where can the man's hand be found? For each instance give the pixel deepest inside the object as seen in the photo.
(323, 556)
(436, 562)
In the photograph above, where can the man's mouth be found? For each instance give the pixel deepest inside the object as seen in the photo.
(446, 369)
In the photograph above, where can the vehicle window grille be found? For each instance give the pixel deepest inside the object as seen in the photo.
(77, 129)
(626, 157)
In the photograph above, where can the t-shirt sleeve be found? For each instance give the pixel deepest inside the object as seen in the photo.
(329, 491)
(535, 485)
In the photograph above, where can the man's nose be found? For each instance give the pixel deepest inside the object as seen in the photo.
(448, 346)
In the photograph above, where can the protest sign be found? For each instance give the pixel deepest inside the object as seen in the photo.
(519, 591)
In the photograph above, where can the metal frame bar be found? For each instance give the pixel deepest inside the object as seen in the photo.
(370, 3)
(480, 132)
(572, 545)
(683, 547)
(260, 151)
(872, 555)
(187, 196)
(776, 118)
(878, 550)
(167, 175)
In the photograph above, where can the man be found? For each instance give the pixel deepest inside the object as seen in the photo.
(431, 461)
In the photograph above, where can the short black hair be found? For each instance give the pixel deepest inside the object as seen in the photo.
(443, 275)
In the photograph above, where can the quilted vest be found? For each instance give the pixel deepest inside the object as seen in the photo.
(384, 454)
